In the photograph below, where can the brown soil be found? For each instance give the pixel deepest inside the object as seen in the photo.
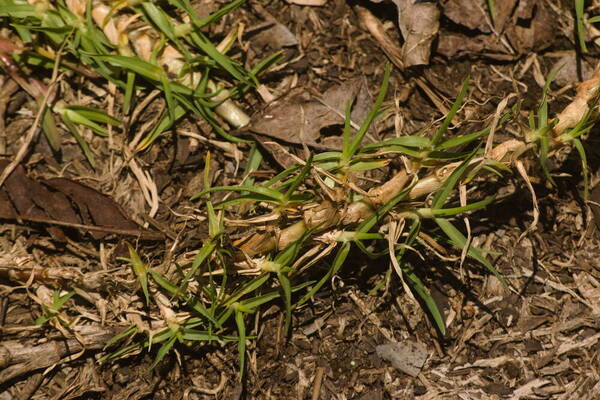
(537, 340)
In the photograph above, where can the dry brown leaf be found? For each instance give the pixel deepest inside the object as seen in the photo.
(454, 45)
(571, 70)
(468, 13)
(419, 23)
(301, 118)
(61, 202)
(474, 14)
(536, 31)
(370, 23)
(524, 27)
(94, 207)
(276, 37)
(407, 356)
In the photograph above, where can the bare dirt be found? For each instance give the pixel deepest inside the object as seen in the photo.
(538, 339)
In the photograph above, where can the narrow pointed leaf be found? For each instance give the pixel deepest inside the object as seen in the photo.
(459, 240)
(260, 190)
(163, 351)
(446, 212)
(140, 270)
(241, 327)
(450, 184)
(439, 133)
(286, 288)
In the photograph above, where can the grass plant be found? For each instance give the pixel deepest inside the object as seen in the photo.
(114, 41)
(303, 214)
(335, 213)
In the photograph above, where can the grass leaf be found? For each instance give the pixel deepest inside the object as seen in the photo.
(286, 289)
(450, 183)
(137, 65)
(271, 194)
(241, 327)
(579, 9)
(270, 296)
(80, 140)
(140, 270)
(439, 133)
(129, 92)
(458, 240)
(164, 350)
(205, 251)
(174, 291)
(446, 212)
(366, 124)
(415, 282)
(584, 167)
(416, 141)
(163, 22)
(463, 140)
(421, 290)
(246, 288)
(297, 181)
(50, 130)
(544, 149)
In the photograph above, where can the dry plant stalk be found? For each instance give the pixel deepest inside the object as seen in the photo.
(328, 214)
(17, 358)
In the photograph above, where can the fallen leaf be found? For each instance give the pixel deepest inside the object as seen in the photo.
(276, 36)
(371, 23)
(502, 13)
(419, 23)
(301, 117)
(94, 207)
(454, 45)
(571, 68)
(475, 14)
(468, 13)
(406, 356)
(520, 27)
(60, 202)
(25, 196)
(534, 28)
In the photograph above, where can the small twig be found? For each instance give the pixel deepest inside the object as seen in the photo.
(146, 235)
(31, 386)
(318, 381)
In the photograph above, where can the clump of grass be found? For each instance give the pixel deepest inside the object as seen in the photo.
(137, 46)
(314, 208)
(327, 211)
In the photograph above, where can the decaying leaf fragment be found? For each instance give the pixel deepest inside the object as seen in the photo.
(60, 202)
(512, 29)
(407, 356)
(419, 23)
(300, 117)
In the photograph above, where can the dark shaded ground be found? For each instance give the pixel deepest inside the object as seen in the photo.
(537, 340)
